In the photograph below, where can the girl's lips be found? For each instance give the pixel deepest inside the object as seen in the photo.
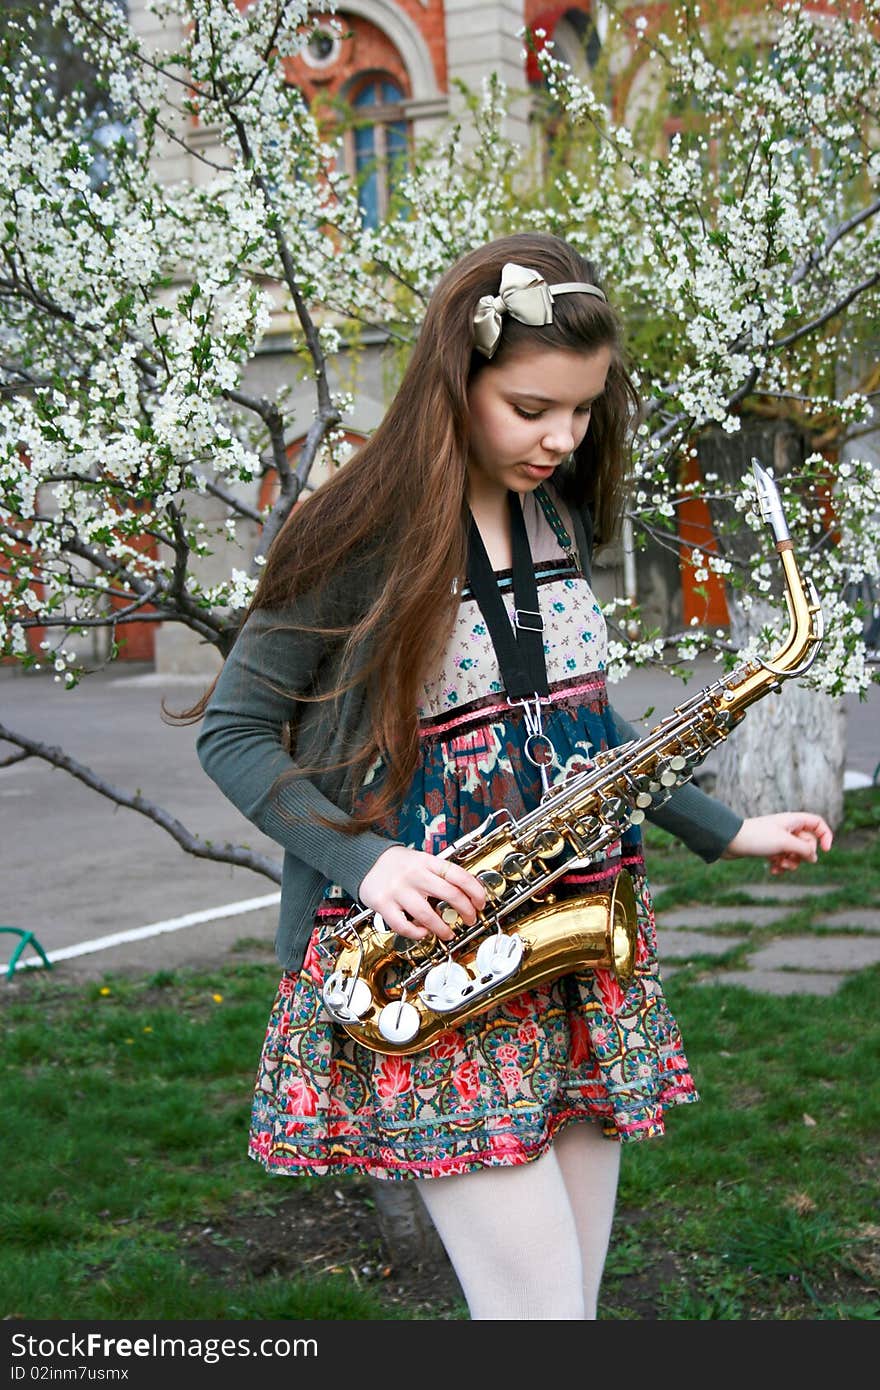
(536, 471)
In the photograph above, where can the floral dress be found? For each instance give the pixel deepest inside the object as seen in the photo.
(494, 1090)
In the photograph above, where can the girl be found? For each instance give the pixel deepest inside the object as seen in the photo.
(419, 617)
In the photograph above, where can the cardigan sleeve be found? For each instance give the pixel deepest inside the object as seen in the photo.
(240, 746)
(701, 822)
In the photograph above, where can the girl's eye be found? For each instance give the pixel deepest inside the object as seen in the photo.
(536, 414)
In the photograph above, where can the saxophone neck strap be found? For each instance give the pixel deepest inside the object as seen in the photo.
(519, 647)
(559, 529)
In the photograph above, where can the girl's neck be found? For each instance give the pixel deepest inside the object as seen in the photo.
(489, 509)
(485, 497)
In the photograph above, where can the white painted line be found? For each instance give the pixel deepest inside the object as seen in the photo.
(190, 919)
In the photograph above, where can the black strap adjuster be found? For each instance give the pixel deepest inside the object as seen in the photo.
(521, 614)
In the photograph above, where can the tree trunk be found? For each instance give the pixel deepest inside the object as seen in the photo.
(789, 753)
(405, 1226)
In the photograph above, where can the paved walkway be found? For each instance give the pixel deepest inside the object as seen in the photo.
(811, 948)
(106, 891)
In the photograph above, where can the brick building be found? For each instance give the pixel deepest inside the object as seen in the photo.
(397, 64)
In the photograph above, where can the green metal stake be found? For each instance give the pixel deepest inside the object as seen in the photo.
(27, 938)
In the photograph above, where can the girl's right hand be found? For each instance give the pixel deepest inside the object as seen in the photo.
(401, 882)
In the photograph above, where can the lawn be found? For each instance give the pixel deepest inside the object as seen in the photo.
(126, 1192)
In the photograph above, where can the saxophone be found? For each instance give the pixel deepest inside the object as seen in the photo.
(394, 995)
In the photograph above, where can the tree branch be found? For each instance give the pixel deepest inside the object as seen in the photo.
(235, 504)
(828, 314)
(15, 758)
(831, 240)
(180, 609)
(193, 844)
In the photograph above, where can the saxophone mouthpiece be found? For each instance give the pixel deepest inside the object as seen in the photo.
(770, 503)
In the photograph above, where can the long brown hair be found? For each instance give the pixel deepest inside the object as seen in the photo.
(402, 498)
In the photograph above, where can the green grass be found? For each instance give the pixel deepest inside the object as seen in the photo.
(764, 1195)
(761, 1202)
(124, 1109)
(124, 1112)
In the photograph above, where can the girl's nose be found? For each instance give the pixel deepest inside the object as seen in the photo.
(559, 438)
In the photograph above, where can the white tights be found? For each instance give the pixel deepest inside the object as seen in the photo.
(529, 1242)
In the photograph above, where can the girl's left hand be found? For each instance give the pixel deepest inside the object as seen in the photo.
(786, 839)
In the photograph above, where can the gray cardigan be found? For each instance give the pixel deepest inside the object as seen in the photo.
(242, 747)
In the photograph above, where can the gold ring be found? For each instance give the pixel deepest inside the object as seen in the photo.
(439, 869)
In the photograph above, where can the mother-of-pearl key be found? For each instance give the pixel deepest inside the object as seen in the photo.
(499, 955)
(444, 984)
(399, 1022)
(345, 997)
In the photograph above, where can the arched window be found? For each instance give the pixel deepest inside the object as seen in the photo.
(379, 144)
(575, 39)
(326, 463)
(574, 35)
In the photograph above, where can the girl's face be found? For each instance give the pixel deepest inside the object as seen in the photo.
(528, 414)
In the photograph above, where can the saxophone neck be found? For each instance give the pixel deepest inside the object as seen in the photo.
(805, 624)
(770, 503)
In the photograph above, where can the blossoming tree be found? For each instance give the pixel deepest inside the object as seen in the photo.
(743, 251)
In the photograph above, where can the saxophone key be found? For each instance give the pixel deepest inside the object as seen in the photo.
(415, 950)
(516, 866)
(449, 914)
(498, 957)
(494, 884)
(548, 844)
(641, 786)
(584, 834)
(399, 1022)
(665, 775)
(588, 826)
(346, 999)
(444, 986)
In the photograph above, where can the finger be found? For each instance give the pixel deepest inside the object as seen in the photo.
(817, 827)
(455, 896)
(416, 906)
(401, 925)
(397, 921)
(458, 878)
(780, 863)
(800, 845)
(472, 888)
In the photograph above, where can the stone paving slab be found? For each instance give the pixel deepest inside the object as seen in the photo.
(839, 953)
(748, 914)
(778, 982)
(679, 945)
(865, 918)
(783, 891)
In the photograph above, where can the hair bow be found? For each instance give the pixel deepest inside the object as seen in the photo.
(526, 296)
